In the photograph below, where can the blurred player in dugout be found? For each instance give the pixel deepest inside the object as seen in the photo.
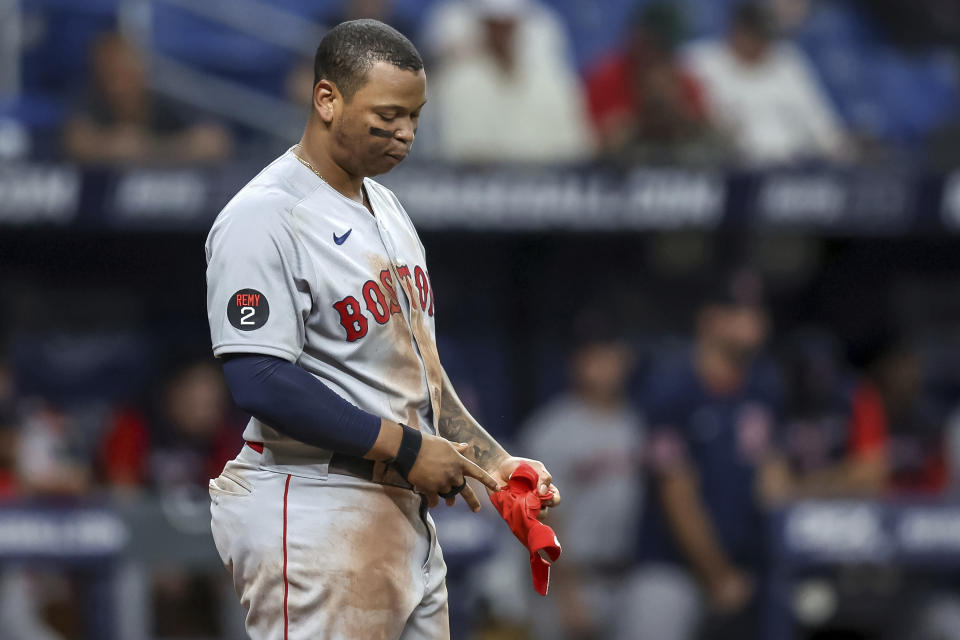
(718, 456)
(592, 438)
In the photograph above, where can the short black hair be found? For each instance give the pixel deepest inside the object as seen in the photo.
(349, 50)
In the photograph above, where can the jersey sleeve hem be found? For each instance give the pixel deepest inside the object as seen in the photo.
(247, 347)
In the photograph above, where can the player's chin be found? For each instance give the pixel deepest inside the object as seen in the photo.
(386, 162)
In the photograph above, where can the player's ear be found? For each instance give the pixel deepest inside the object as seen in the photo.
(325, 94)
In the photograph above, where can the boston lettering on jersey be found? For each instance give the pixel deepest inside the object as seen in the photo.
(381, 306)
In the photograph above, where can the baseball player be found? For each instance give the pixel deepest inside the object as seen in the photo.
(321, 308)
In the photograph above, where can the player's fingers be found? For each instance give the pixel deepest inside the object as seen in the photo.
(432, 500)
(546, 480)
(472, 470)
(470, 498)
(555, 500)
(450, 501)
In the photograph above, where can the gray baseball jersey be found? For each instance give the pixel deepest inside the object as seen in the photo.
(298, 271)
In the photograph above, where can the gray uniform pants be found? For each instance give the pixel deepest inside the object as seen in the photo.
(336, 558)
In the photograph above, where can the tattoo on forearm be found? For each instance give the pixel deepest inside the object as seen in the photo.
(457, 425)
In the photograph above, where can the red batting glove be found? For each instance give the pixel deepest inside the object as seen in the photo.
(518, 504)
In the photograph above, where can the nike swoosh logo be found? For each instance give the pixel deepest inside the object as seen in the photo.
(341, 239)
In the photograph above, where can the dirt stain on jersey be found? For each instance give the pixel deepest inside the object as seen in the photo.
(428, 349)
(404, 365)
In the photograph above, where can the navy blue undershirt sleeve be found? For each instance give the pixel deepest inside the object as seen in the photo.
(287, 398)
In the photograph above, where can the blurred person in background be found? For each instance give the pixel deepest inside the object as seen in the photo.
(51, 461)
(25, 594)
(183, 440)
(645, 106)
(120, 121)
(835, 427)
(8, 432)
(764, 95)
(592, 439)
(506, 89)
(916, 424)
(712, 418)
(8, 449)
(173, 447)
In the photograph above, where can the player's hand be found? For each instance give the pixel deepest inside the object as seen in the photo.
(441, 466)
(544, 480)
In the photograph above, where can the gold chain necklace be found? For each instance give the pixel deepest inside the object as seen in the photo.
(304, 161)
(317, 173)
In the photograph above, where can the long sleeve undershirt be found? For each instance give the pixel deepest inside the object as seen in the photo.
(289, 399)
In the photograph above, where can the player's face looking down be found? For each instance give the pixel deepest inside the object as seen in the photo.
(373, 130)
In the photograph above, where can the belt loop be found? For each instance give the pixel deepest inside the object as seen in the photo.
(325, 466)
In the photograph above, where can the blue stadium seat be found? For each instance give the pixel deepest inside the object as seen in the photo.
(197, 41)
(874, 86)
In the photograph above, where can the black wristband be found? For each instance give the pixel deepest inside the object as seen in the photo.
(409, 450)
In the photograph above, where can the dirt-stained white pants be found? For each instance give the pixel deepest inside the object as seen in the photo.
(336, 558)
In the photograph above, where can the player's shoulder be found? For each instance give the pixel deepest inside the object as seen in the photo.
(265, 204)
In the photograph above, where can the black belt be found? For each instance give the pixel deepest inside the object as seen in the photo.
(356, 467)
(364, 469)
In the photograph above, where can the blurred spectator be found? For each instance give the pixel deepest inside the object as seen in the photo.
(50, 459)
(641, 98)
(591, 439)
(712, 418)
(8, 449)
(121, 121)
(35, 461)
(835, 431)
(8, 433)
(184, 441)
(918, 462)
(763, 93)
(507, 91)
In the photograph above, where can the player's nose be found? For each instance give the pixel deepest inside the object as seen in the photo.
(406, 132)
